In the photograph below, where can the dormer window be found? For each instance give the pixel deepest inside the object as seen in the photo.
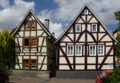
(77, 27)
(94, 27)
(85, 11)
(27, 25)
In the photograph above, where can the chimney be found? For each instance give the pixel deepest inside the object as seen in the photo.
(47, 23)
(53, 34)
(64, 28)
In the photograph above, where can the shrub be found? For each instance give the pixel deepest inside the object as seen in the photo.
(114, 77)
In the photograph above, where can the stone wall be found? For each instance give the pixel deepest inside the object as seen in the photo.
(31, 73)
(77, 74)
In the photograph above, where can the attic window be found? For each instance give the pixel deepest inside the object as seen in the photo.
(85, 11)
(94, 27)
(27, 25)
(78, 27)
(33, 25)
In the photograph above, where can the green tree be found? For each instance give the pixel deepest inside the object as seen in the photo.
(114, 77)
(6, 48)
(117, 16)
(117, 47)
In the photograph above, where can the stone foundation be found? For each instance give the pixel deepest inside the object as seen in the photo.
(77, 74)
(28, 73)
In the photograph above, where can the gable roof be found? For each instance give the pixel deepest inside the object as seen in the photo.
(86, 5)
(12, 33)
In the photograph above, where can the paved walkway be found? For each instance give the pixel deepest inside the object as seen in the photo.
(14, 79)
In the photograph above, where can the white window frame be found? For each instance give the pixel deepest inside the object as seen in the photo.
(72, 52)
(85, 12)
(76, 27)
(100, 49)
(78, 50)
(92, 51)
(92, 27)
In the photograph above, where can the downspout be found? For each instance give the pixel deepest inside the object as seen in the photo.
(56, 53)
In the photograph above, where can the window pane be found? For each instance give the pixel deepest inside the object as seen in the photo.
(94, 27)
(100, 51)
(79, 48)
(68, 48)
(27, 25)
(85, 11)
(76, 48)
(78, 28)
(93, 48)
(33, 42)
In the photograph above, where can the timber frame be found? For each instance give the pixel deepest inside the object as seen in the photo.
(85, 38)
(43, 52)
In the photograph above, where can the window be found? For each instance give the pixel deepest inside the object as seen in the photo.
(85, 11)
(26, 64)
(30, 42)
(33, 42)
(77, 27)
(92, 50)
(70, 50)
(94, 27)
(26, 42)
(27, 25)
(100, 49)
(78, 50)
(33, 25)
(33, 64)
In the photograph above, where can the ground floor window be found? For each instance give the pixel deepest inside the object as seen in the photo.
(78, 50)
(30, 64)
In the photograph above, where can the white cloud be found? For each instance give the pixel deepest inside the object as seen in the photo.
(68, 9)
(4, 3)
(11, 16)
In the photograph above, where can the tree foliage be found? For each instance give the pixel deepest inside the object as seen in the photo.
(114, 77)
(117, 16)
(6, 48)
(117, 47)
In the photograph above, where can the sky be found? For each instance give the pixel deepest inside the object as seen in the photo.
(60, 12)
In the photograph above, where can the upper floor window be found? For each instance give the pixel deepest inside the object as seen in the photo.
(26, 42)
(30, 42)
(33, 42)
(85, 11)
(77, 27)
(100, 49)
(78, 50)
(92, 50)
(27, 25)
(70, 50)
(33, 25)
(94, 27)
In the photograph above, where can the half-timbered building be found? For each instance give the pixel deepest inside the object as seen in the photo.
(85, 48)
(34, 50)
